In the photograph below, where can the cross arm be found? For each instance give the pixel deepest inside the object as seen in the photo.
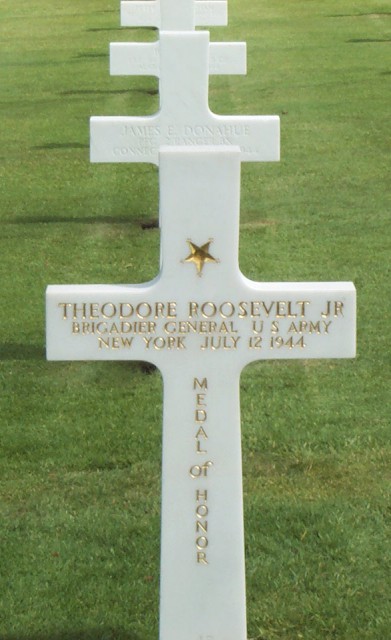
(105, 322)
(138, 139)
(297, 320)
(258, 321)
(143, 59)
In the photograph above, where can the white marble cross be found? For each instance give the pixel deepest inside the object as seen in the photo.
(143, 59)
(171, 15)
(201, 321)
(184, 117)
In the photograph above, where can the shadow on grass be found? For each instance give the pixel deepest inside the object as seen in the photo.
(60, 145)
(365, 40)
(70, 220)
(82, 634)
(96, 29)
(81, 56)
(13, 351)
(100, 92)
(94, 92)
(360, 15)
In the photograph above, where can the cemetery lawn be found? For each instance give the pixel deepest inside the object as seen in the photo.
(81, 442)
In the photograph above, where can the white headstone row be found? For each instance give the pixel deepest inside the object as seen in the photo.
(200, 321)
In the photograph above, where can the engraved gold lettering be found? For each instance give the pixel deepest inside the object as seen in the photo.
(267, 309)
(201, 385)
(309, 327)
(281, 309)
(201, 471)
(201, 527)
(242, 309)
(253, 309)
(202, 510)
(125, 310)
(64, 306)
(208, 309)
(81, 309)
(279, 342)
(215, 343)
(170, 327)
(275, 326)
(333, 308)
(115, 343)
(201, 495)
(108, 310)
(326, 326)
(338, 309)
(196, 471)
(94, 310)
(159, 343)
(147, 342)
(255, 342)
(302, 305)
(257, 326)
(199, 450)
(104, 343)
(290, 314)
(227, 309)
(201, 557)
(201, 433)
(144, 310)
(202, 542)
(193, 309)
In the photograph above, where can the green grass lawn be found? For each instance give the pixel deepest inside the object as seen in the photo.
(81, 442)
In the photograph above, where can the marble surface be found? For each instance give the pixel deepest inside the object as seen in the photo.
(143, 59)
(171, 15)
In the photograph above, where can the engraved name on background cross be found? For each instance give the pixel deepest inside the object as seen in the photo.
(170, 15)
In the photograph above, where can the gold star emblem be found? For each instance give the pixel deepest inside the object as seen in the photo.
(199, 255)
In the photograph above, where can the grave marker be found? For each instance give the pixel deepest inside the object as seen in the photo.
(170, 15)
(201, 321)
(184, 117)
